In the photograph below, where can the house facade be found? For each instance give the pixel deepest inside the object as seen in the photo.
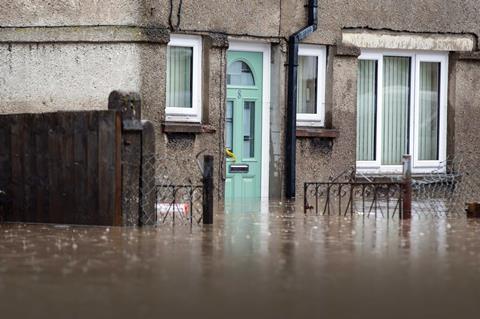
(374, 80)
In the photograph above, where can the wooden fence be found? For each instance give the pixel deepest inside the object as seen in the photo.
(74, 167)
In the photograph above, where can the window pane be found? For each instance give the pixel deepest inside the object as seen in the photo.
(396, 103)
(429, 110)
(229, 126)
(249, 130)
(366, 110)
(239, 73)
(307, 84)
(179, 77)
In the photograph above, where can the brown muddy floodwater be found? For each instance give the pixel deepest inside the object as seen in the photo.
(266, 263)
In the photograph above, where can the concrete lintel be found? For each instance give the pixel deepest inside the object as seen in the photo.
(371, 39)
(219, 40)
(84, 34)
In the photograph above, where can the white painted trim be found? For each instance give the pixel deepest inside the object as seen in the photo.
(319, 51)
(375, 165)
(265, 48)
(193, 114)
(418, 167)
(442, 143)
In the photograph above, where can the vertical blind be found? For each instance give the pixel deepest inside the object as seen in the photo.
(307, 84)
(429, 104)
(396, 103)
(397, 108)
(179, 76)
(366, 110)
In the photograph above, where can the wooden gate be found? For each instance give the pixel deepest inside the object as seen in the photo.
(66, 167)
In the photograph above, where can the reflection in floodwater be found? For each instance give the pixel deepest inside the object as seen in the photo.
(263, 260)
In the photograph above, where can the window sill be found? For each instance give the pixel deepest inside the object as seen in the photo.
(318, 132)
(393, 177)
(183, 127)
(398, 171)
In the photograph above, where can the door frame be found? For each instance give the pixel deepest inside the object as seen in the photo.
(265, 48)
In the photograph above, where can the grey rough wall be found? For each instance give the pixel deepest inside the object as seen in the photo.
(47, 77)
(465, 82)
(318, 158)
(454, 16)
(277, 118)
(253, 17)
(463, 118)
(70, 12)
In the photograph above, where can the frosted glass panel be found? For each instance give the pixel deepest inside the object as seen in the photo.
(366, 110)
(239, 73)
(429, 110)
(396, 103)
(179, 77)
(307, 84)
(249, 129)
(229, 126)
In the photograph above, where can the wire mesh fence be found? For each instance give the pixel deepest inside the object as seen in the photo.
(443, 192)
(178, 190)
(446, 190)
(179, 204)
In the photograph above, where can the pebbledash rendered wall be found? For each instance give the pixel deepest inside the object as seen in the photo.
(66, 55)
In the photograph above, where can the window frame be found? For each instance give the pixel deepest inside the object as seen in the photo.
(418, 166)
(193, 114)
(317, 119)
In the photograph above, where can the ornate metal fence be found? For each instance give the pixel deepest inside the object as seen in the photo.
(443, 192)
(345, 198)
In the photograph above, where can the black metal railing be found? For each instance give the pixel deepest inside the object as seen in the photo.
(443, 192)
(342, 198)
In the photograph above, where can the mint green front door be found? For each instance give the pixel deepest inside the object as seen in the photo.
(243, 124)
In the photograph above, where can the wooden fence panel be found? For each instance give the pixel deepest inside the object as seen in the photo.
(61, 167)
(80, 135)
(42, 168)
(5, 167)
(17, 174)
(92, 164)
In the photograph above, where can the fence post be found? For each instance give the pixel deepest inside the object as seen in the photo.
(407, 187)
(305, 203)
(3, 201)
(473, 210)
(128, 105)
(208, 190)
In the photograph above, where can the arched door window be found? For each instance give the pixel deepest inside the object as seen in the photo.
(239, 73)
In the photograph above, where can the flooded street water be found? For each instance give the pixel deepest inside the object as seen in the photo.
(267, 262)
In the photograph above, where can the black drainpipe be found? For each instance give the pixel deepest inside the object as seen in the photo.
(291, 138)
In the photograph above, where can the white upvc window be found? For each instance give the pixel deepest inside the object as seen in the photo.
(401, 109)
(184, 79)
(312, 60)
